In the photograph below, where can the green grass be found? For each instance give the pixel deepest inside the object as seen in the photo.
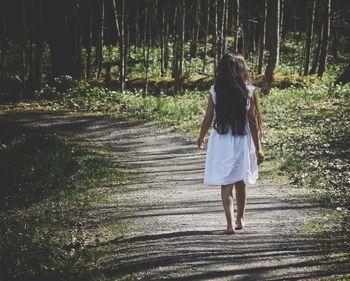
(306, 128)
(48, 183)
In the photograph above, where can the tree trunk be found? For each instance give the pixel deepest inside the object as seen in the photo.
(100, 37)
(236, 26)
(137, 29)
(162, 40)
(126, 43)
(325, 39)
(64, 38)
(122, 64)
(119, 20)
(225, 28)
(148, 27)
(166, 39)
(273, 46)
(182, 18)
(206, 38)
(89, 43)
(3, 44)
(262, 40)
(334, 31)
(246, 14)
(317, 49)
(195, 33)
(215, 33)
(281, 17)
(175, 42)
(311, 5)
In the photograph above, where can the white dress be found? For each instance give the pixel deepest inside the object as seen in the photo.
(231, 158)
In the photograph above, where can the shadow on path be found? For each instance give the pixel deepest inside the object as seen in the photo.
(176, 221)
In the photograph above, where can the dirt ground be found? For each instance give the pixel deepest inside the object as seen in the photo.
(175, 221)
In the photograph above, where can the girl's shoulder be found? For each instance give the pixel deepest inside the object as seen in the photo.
(251, 90)
(213, 93)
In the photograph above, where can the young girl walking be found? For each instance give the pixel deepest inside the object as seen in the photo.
(234, 149)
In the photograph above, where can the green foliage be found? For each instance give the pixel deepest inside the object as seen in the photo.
(309, 130)
(306, 126)
(47, 183)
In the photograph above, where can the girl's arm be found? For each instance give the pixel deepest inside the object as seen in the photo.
(208, 119)
(254, 128)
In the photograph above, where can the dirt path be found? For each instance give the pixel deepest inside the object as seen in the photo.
(176, 221)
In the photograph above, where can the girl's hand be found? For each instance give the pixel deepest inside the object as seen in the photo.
(260, 157)
(200, 143)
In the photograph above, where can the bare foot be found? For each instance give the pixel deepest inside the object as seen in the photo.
(229, 231)
(240, 224)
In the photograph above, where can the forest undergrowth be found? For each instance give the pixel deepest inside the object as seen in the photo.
(306, 128)
(48, 184)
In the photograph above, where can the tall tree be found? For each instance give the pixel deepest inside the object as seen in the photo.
(89, 41)
(215, 33)
(100, 36)
(224, 28)
(148, 28)
(236, 26)
(325, 38)
(311, 5)
(206, 36)
(120, 26)
(262, 35)
(318, 38)
(274, 45)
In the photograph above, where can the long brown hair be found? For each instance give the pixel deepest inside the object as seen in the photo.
(231, 80)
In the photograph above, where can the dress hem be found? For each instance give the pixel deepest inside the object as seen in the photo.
(232, 182)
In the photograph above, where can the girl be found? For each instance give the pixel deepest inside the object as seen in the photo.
(234, 149)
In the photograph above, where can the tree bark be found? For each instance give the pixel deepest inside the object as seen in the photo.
(206, 38)
(166, 39)
(194, 32)
(225, 29)
(148, 28)
(281, 18)
(262, 40)
(100, 37)
(273, 46)
(334, 32)
(311, 5)
(215, 33)
(119, 20)
(236, 26)
(325, 39)
(89, 43)
(317, 49)
(162, 40)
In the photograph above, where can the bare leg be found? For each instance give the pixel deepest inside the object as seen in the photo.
(241, 201)
(227, 202)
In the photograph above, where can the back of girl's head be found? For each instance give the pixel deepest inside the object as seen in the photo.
(231, 78)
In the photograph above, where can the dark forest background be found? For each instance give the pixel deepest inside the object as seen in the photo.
(117, 40)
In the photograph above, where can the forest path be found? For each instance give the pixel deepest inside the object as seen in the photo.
(175, 221)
